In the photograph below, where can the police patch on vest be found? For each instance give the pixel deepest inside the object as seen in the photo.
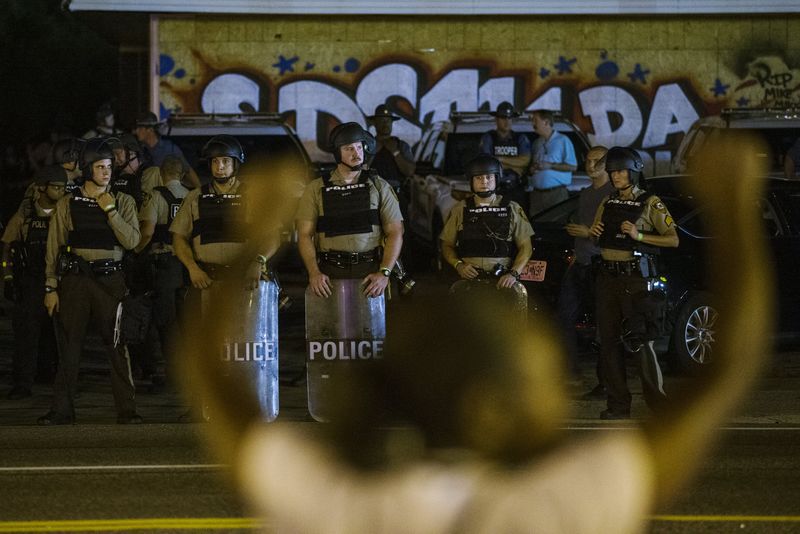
(173, 210)
(250, 351)
(347, 350)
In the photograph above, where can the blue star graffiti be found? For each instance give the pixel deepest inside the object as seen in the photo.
(564, 65)
(285, 65)
(719, 88)
(639, 74)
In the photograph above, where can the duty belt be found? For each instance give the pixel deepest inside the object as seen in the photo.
(216, 271)
(346, 259)
(626, 267)
(103, 267)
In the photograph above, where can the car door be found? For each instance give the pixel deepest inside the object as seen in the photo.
(781, 213)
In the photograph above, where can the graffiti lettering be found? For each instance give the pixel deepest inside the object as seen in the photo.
(615, 114)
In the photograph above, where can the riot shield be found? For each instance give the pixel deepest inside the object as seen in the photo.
(516, 295)
(343, 330)
(249, 348)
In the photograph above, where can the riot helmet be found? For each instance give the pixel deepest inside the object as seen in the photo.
(621, 158)
(348, 133)
(479, 166)
(67, 150)
(129, 145)
(223, 146)
(51, 174)
(95, 149)
(505, 109)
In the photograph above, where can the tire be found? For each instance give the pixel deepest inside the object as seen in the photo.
(693, 333)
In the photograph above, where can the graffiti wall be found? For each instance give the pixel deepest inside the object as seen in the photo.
(634, 82)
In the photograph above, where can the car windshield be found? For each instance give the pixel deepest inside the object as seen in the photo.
(778, 141)
(255, 147)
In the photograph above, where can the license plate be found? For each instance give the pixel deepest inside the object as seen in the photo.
(534, 271)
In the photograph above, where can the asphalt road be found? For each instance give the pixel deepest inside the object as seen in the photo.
(157, 477)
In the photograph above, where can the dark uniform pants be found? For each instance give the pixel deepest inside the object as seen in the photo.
(86, 302)
(614, 303)
(34, 335)
(168, 282)
(577, 288)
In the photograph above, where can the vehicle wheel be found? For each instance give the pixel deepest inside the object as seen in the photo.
(693, 333)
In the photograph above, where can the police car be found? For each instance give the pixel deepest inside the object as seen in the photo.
(443, 150)
(778, 128)
(690, 319)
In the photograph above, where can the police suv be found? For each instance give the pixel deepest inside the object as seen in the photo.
(443, 150)
(778, 128)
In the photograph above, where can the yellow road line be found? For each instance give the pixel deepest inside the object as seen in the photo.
(730, 518)
(117, 525)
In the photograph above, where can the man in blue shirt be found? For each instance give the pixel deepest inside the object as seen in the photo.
(512, 149)
(552, 163)
(157, 148)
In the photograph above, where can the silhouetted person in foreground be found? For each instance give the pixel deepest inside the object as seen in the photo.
(459, 427)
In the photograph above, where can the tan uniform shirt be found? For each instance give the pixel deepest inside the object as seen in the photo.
(183, 224)
(521, 231)
(654, 217)
(123, 223)
(382, 198)
(17, 230)
(156, 210)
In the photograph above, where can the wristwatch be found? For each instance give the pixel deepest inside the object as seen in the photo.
(50, 289)
(514, 273)
(385, 271)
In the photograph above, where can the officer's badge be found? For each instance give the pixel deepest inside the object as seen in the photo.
(669, 220)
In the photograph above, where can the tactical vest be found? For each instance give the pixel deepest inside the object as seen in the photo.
(91, 229)
(386, 166)
(615, 212)
(506, 147)
(161, 234)
(220, 218)
(486, 231)
(130, 184)
(346, 208)
(70, 188)
(35, 243)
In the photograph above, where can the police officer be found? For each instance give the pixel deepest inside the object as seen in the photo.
(214, 226)
(486, 229)
(349, 223)
(512, 149)
(66, 152)
(84, 281)
(155, 147)
(127, 175)
(393, 159)
(155, 218)
(630, 226)
(25, 240)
